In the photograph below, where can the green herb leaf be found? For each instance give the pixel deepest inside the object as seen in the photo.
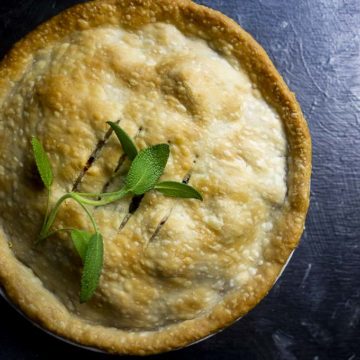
(147, 168)
(81, 240)
(177, 189)
(92, 267)
(42, 162)
(127, 144)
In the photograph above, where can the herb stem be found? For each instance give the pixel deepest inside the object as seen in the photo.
(96, 229)
(96, 195)
(109, 198)
(47, 208)
(52, 215)
(56, 231)
(50, 219)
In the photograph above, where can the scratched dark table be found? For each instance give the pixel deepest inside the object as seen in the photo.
(313, 312)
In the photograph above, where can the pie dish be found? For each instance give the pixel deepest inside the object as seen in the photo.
(175, 270)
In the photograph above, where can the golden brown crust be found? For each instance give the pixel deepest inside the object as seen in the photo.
(227, 38)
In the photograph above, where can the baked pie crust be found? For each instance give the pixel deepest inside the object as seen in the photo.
(176, 270)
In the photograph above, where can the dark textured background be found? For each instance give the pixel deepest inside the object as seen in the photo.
(313, 312)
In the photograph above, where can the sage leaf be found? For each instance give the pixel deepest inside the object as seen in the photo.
(42, 162)
(92, 267)
(81, 240)
(147, 168)
(127, 144)
(177, 189)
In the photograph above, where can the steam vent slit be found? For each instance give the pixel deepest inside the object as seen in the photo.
(92, 158)
(163, 221)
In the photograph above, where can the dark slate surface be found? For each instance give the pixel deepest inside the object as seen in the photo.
(313, 312)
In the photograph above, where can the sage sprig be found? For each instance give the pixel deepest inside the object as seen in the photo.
(80, 240)
(93, 262)
(176, 189)
(147, 168)
(145, 171)
(42, 163)
(127, 144)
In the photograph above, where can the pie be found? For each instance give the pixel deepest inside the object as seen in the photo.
(175, 270)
